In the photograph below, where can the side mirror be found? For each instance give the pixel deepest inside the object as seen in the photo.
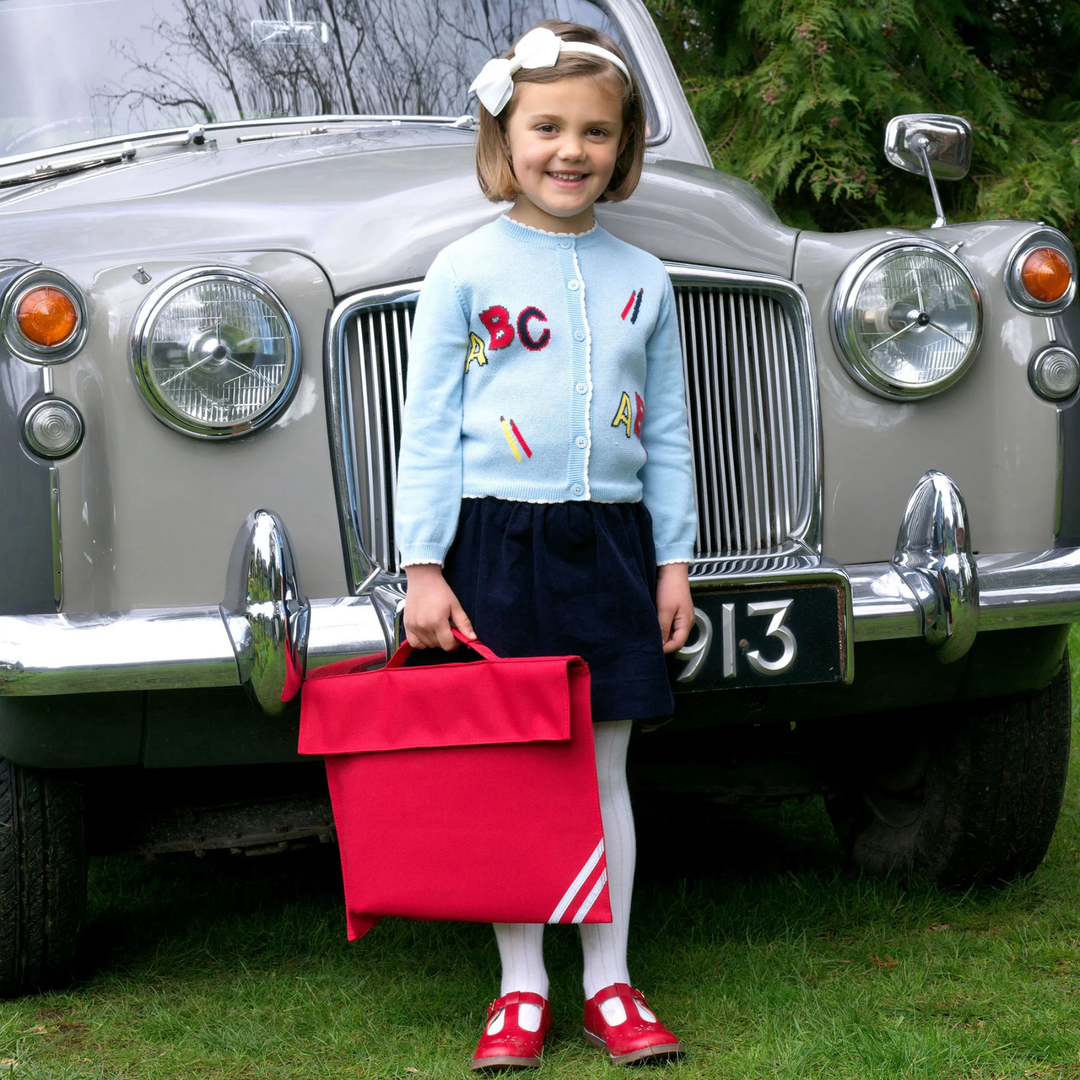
(930, 145)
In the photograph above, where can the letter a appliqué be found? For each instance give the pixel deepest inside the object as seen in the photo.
(476, 352)
(625, 415)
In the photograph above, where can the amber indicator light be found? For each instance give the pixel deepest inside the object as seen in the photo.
(1046, 275)
(47, 316)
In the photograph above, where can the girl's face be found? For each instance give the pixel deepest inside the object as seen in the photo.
(564, 139)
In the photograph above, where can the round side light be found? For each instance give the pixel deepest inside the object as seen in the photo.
(1046, 275)
(1041, 272)
(53, 428)
(43, 317)
(1055, 373)
(47, 316)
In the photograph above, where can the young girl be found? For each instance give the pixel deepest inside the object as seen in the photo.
(544, 413)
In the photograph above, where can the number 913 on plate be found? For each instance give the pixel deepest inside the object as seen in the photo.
(781, 635)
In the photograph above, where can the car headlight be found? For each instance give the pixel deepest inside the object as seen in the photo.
(907, 319)
(215, 353)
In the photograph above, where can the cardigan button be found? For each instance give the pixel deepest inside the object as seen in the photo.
(579, 335)
(564, 244)
(582, 441)
(573, 284)
(578, 489)
(582, 388)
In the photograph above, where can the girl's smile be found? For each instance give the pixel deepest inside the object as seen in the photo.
(564, 140)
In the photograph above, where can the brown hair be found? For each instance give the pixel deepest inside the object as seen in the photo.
(493, 167)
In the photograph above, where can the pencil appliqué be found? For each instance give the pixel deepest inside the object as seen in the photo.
(633, 306)
(514, 439)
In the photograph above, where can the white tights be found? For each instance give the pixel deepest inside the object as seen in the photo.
(603, 945)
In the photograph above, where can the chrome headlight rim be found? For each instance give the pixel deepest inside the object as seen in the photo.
(20, 346)
(847, 289)
(1044, 236)
(147, 315)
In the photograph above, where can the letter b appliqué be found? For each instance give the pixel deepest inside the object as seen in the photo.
(496, 320)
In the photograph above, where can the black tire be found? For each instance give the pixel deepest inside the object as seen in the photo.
(42, 878)
(971, 799)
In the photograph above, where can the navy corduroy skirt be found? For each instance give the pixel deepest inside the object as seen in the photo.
(559, 579)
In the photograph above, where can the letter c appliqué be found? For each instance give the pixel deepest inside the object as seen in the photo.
(535, 344)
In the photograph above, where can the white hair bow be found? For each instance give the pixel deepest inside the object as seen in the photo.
(539, 48)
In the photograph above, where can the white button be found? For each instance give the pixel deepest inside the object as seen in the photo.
(582, 441)
(573, 284)
(565, 244)
(582, 388)
(578, 489)
(579, 335)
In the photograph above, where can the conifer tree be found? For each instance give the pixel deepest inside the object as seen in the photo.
(794, 96)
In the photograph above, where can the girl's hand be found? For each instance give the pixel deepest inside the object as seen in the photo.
(431, 608)
(674, 605)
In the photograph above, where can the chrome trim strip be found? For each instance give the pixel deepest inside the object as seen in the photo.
(1020, 589)
(190, 647)
(1044, 236)
(161, 649)
(1059, 482)
(152, 306)
(57, 547)
(141, 138)
(639, 56)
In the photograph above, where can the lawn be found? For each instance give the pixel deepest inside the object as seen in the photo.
(753, 941)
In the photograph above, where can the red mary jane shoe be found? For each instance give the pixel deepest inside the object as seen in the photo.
(635, 1038)
(513, 1047)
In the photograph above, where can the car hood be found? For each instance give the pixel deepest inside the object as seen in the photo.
(371, 205)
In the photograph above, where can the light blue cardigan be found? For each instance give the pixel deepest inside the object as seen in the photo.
(543, 367)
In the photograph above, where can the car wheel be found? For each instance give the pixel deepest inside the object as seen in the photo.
(42, 878)
(971, 799)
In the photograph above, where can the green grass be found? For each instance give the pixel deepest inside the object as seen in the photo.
(769, 958)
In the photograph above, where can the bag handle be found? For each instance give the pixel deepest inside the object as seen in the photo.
(405, 648)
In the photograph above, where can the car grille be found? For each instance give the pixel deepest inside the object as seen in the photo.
(750, 398)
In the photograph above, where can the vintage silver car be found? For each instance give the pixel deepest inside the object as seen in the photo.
(214, 219)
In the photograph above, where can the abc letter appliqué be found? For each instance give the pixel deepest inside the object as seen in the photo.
(535, 344)
(624, 415)
(496, 321)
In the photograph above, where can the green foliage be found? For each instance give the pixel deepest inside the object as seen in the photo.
(794, 96)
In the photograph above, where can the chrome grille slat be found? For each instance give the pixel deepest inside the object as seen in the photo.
(750, 387)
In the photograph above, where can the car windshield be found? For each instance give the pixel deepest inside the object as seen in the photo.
(72, 70)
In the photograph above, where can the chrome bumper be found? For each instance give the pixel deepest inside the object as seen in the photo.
(265, 634)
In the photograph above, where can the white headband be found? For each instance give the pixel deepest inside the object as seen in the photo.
(539, 48)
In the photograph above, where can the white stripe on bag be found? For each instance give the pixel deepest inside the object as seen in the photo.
(575, 886)
(591, 898)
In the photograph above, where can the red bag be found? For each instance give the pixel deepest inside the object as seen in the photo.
(462, 791)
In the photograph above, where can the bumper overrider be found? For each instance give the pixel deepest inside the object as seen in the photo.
(265, 635)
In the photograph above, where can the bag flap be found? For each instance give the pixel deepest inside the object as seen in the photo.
(469, 704)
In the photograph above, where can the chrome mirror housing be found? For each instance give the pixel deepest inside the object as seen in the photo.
(930, 145)
(917, 138)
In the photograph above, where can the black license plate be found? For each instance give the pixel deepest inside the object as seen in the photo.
(770, 636)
